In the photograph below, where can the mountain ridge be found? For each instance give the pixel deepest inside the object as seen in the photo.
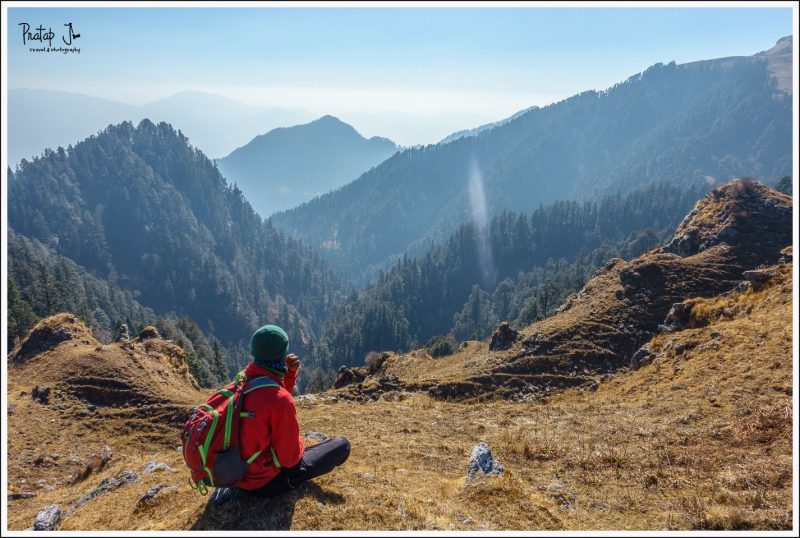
(700, 125)
(73, 116)
(207, 254)
(287, 166)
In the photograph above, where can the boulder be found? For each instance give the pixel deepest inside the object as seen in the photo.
(678, 317)
(504, 337)
(643, 356)
(41, 395)
(481, 463)
(48, 519)
(758, 278)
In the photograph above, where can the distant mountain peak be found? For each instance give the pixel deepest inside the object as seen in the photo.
(333, 153)
(782, 46)
(327, 118)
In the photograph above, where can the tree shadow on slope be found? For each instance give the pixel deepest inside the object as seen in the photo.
(248, 512)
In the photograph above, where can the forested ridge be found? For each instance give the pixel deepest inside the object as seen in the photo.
(537, 261)
(693, 124)
(135, 225)
(140, 208)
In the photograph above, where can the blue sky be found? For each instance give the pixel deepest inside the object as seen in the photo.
(487, 62)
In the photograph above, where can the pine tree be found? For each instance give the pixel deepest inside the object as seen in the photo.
(20, 316)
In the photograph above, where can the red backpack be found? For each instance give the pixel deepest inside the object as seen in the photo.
(210, 437)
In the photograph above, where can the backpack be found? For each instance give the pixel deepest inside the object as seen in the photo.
(210, 438)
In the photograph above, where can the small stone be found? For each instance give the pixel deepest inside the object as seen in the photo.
(48, 519)
(153, 466)
(21, 495)
(41, 395)
(316, 436)
(563, 494)
(149, 494)
(482, 462)
(369, 476)
(156, 491)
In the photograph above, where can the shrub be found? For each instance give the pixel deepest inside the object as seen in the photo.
(441, 346)
(374, 361)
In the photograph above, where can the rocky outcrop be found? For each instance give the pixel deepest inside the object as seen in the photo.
(48, 519)
(122, 334)
(349, 376)
(149, 332)
(643, 356)
(123, 478)
(49, 333)
(504, 337)
(678, 317)
(745, 215)
(758, 278)
(737, 228)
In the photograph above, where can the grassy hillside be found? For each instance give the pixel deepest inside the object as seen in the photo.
(692, 431)
(698, 439)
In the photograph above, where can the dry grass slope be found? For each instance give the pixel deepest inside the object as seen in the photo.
(698, 439)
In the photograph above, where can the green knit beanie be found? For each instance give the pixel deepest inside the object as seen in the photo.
(269, 344)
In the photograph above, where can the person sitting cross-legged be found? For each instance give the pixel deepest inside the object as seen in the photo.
(270, 424)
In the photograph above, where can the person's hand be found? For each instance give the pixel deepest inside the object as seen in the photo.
(292, 362)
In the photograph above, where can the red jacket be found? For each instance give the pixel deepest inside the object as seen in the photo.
(274, 424)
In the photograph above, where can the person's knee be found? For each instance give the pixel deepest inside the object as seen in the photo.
(343, 448)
